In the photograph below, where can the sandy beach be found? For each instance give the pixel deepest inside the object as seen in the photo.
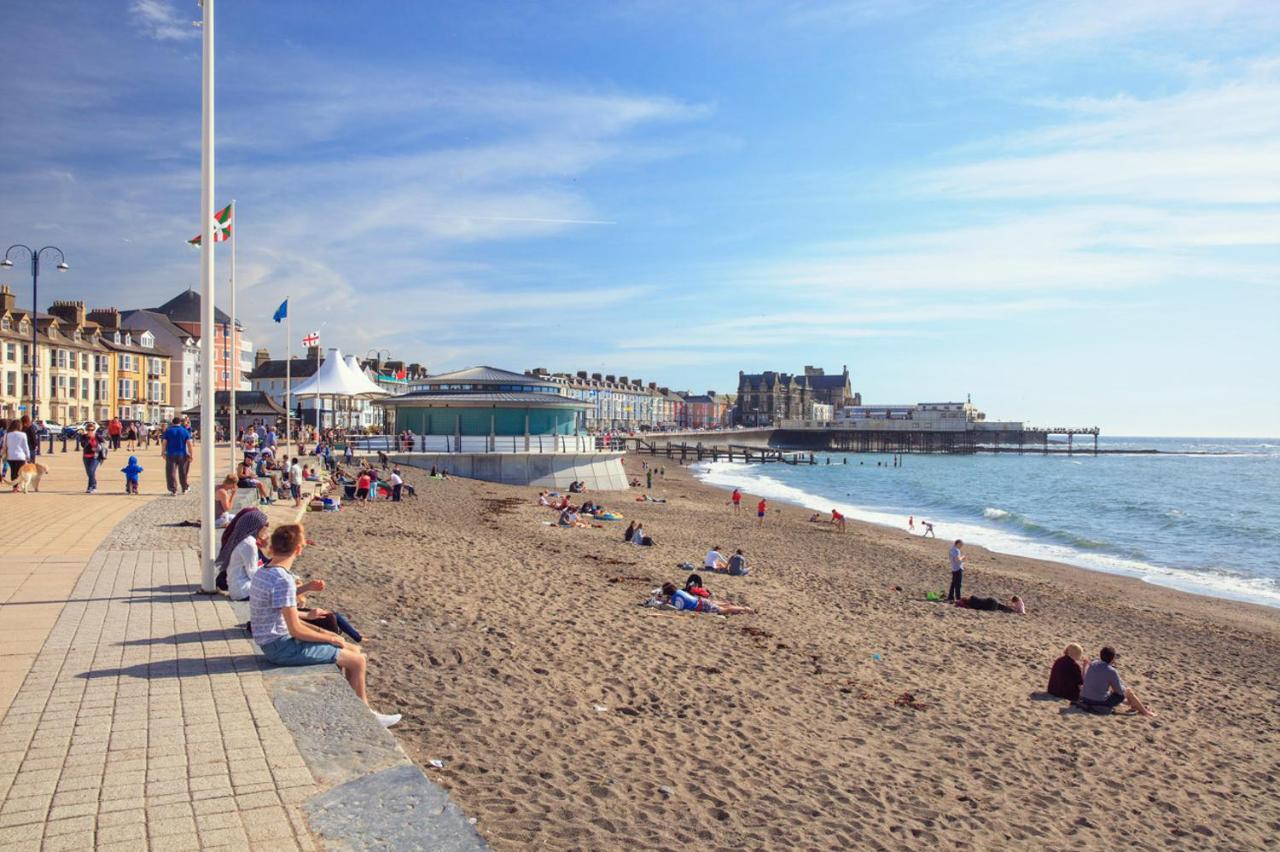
(847, 713)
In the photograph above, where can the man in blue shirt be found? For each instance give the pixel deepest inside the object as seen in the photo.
(1102, 688)
(177, 456)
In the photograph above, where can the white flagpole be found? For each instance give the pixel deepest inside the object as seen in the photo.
(288, 377)
(235, 340)
(208, 416)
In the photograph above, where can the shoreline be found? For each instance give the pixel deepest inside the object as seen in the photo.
(1182, 580)
(567, 715)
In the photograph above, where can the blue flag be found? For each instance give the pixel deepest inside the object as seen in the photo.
(282, 311)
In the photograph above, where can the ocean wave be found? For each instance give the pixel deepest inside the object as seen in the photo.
(1003, 531)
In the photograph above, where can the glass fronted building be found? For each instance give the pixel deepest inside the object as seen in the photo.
(487, 401)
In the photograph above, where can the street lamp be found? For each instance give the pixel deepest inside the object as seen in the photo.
(35, 256)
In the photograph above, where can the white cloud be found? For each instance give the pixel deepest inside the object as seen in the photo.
(161, 21)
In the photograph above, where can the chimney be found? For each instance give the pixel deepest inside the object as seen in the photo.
(582, 374)
(653, 385)
(596, 376)
(624, 380)
(8, 301)
(313, 353)
(260, 357)
(68, 311)
(108, 318)
(609, 378)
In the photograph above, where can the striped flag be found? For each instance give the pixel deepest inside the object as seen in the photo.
(221, 227)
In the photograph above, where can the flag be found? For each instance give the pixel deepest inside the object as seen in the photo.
(402, 375)
(282, 311)
(221, 227)
(312, 339)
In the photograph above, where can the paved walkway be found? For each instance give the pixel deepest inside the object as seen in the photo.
(137, 716)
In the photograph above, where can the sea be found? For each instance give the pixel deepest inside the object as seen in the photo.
(1199, 514)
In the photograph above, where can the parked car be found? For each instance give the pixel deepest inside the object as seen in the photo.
(49, 427)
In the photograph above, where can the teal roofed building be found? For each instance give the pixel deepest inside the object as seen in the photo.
(486, 401)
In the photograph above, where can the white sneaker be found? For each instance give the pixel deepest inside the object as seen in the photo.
(386, 720)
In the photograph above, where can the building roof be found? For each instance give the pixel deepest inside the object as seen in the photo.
(300, 368)
(484, 375)
(464, 400)
(185, 307)
(255, 402)
(701, 398)
(162, 322)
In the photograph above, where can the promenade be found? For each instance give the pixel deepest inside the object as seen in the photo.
(135, 714)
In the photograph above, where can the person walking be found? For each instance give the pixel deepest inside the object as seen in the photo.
(33, 437)
(16, 449)
(177, 457)
(114, 429)
(737, 501)
(92, 452)
(957, 571)
(761, 508)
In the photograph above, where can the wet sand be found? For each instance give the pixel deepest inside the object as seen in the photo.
(848, 713)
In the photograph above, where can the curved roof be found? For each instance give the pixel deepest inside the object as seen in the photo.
(361, 379)
(462, 400)
(484, 375)
(333, 378)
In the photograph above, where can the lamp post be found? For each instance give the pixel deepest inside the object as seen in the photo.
(376, 356)
(7, 263)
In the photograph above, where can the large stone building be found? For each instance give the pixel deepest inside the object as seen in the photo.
(766, 399)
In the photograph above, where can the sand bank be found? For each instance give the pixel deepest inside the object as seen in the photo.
(501, 639)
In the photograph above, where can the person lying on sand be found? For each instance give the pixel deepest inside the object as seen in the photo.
(682, 600)
(1067, 674)
(1102, 689)
(713, 561)
(1015, 605)
(694, 586)
(283, 636)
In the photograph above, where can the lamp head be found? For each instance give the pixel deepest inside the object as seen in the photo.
(62, 267)
(6, 263)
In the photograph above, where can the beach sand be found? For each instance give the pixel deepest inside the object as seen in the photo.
(568, 716)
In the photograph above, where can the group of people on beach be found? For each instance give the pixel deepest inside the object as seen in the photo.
(762, 508)
(1093, 685)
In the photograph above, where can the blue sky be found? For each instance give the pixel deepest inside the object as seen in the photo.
(1070, 210)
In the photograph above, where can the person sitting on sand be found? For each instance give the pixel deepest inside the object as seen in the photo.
(639, 538)
(569, 518)
(284, 637)
(1067, 674)
(738, 564)
(713, 561)
(682, 600)
(543, 500)
(815, 518)
(631, 530)
(1102, 689)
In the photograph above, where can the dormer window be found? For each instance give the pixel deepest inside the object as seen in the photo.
(147, 339)
(24, 327)
(6, 323)
(77, 335)
(115, 338)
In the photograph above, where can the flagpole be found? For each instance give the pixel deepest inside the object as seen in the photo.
(235, 340)
(288, 378)
(208, 416)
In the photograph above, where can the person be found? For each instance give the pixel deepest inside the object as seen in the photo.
(16, 449)
(33, 436)
(569, 518)
(284, 637)
(928, 530)
(957, 571)
(631, 530)
(363, 482)
(177, 456)
(694, 586)
(738, 564)
(648, 476)
(397, 484)
(224, 497)
(761, 508)
(91, 452)
(1103, 690)
(114, 429)
(639, 538)
(246, 478)
(544, 499)
(269, 440)
(131, 472)
(249, 443)
(911, 523)
(737, 501)
(682, 600)
(837, 520)
(713, 561)
(1015, 605)
(295, 482)
(241, 552)
(1067, 674)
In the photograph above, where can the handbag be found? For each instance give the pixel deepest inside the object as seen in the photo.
(102, 452)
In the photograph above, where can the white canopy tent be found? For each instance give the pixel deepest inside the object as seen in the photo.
(372, 391)
(337, 380)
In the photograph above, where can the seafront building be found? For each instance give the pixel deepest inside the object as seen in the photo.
(768, 398)
(269, 376)
(921, 416)
(623, 404)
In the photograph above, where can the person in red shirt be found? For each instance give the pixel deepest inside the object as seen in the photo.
(362, 486)
(737, 501)
(1067, 675)
(837, 519)
(694, 586)
(761, 507)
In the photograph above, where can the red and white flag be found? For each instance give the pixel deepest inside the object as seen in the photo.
(312, 339)
(221, 227)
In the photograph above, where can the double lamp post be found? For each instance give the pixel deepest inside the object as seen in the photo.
(7, 263)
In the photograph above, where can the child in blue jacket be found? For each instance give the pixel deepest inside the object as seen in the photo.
(131, 471)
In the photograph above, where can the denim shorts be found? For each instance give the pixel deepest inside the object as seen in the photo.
(1115, 699)
(288, 651)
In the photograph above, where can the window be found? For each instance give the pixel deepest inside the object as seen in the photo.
(11, 352)
(147, 339)
(84, 360)
(126, 388)
(84, 388)
(24, 326)
(76, 335)
(115, 338)
(60, 357)
(11, 384)
(6, 323)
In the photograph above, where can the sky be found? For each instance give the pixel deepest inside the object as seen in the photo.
(1068, 209)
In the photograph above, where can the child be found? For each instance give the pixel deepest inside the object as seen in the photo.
(131, 471)
(295, 482)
